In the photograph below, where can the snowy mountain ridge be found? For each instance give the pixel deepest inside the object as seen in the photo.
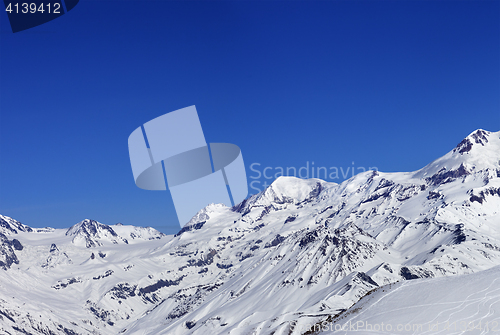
(292, 256)
(10, 226)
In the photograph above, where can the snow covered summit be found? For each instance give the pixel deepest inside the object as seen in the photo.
(92, 233)
(478, 151)
(10, 226)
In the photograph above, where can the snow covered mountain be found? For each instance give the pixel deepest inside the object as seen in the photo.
(9, 226)
(92, 233)
(297, 254)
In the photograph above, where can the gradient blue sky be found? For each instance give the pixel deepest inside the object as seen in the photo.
(390, 84)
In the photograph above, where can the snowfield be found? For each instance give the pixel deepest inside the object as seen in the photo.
(467, 304)
(410, 248)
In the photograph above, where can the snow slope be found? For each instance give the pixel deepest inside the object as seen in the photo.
(298, 253)
(450, 305)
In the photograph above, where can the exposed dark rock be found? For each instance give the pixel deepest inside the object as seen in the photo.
(363, 276)
(479, 137)
(433, 195)
(277, 240)
(258, 227)
(435, 249)
(308, 238)
(482, 195)
(207, 260)
(384, 183)
(177, 313)
(91, 231)
(415, 272)
(17, 245)
(264, 212)
(404, 193)
(190, 228)
(69, 282)
(245, 257)
(464, 146)
(122, 291)
(443, 177)
(20, 330)
(313, 194)
(100, 313)
(477, 198)
(7, 254)
(89, 228)
(7, 315)
(159, 284)
(186, 301)
(325, 209)
(66, 330)
(406, 274)
(458, 234)
(240, 207)
(373, 197)
(106, 274)
(13, 227)
(491, 246)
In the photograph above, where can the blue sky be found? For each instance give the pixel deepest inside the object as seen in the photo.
(386, 84)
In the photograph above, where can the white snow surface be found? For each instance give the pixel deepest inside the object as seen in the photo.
(299, 253)
(465, 304)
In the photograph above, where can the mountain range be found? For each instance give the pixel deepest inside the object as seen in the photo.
(300, 255)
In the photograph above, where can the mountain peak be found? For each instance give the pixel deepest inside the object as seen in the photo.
(89, 227)
(292, 190)
(10, 226)
(480, 150)
(89, 233)
(202, 215)
(326, 245)
(479, 136)
(296, 188)
(92, 233)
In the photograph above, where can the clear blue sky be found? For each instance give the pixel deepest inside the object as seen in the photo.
(386, 84)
